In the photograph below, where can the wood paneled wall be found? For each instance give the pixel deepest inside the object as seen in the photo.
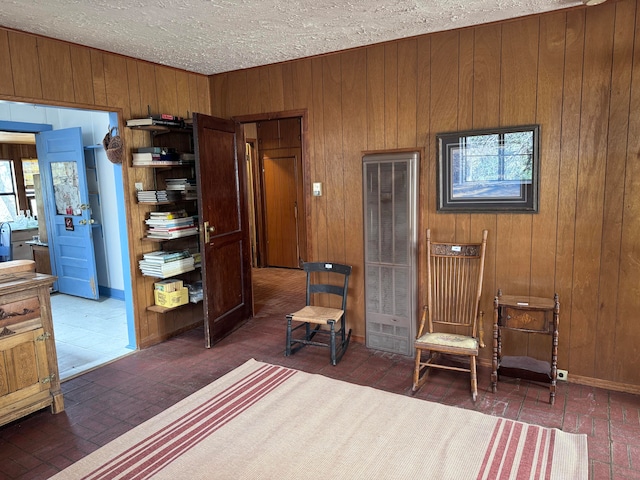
(574, 72)
(41, 70)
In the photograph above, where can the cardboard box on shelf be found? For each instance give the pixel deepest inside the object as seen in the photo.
(172, 299)
(170, 285)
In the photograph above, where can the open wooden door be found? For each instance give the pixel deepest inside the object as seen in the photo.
(224, 227)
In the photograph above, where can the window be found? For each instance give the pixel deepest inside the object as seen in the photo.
(8, 197)
(29, 169)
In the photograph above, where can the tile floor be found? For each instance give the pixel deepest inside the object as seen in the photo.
(106, 402)
(88, 333)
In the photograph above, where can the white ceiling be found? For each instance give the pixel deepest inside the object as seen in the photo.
(213, 36)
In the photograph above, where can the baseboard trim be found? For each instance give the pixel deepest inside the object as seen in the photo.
(606, 384)
(588, 381)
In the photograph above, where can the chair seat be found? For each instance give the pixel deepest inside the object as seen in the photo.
(462, 343)
(317, 315)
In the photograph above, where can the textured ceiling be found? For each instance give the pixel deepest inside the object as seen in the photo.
(210, 37)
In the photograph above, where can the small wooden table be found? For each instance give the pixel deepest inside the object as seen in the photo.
(530, 315)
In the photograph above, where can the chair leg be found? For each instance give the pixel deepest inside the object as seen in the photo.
(332, 342)
(287, 350)
(416, 372)
(474, 378)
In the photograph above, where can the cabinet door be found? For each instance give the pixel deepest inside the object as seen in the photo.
(24, 372)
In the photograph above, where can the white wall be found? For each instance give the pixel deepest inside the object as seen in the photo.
(94, 126)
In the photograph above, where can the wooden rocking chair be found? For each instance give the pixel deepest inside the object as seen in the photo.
(449, 323)
(333, 318)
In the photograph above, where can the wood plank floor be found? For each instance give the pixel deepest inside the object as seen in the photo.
(104, 403)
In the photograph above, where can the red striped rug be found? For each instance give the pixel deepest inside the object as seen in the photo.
(263, 421)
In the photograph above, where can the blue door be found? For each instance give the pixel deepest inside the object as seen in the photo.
(66, 200)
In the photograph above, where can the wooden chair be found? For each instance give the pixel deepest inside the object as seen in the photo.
(449, 323)
(322, 316)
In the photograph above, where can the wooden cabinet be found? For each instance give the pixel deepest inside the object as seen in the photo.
(20, 247)
(40, 254)
(29, 378)
(529, 315)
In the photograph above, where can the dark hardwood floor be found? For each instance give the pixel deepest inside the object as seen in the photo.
(108, 401)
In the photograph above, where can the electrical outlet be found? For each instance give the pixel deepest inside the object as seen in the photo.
(138, 186)
(563, 375)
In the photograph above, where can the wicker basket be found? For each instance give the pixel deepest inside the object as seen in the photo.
(114, 146)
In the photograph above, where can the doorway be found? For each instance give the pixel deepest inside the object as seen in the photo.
(274, 151)
(81, 347)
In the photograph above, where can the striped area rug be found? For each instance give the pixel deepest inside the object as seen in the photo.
(264, 421)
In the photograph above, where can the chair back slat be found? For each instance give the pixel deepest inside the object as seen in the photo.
(454, 287)
(321, 279)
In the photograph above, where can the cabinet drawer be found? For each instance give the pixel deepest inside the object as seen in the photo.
(18, 311)
(527, 320)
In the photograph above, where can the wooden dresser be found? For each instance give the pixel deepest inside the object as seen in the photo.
(29, 378)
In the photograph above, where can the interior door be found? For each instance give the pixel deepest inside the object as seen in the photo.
(68, 214)
(281, 211)
(224, 227)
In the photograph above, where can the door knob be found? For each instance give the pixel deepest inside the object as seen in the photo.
(208, 230)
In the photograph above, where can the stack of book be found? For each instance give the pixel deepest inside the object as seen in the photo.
(163, 264)
(186, 186)
(168, 225)
(162, 119)
(141, 159)
(157, 196)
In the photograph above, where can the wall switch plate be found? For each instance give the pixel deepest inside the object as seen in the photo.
(138, 186)
(317, 189)
(563, 375)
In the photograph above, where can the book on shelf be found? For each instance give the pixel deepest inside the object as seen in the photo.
(170, 229)
(161, 119)
(147, 157)
(166, 266)
(155, 196)
(168, 215)
(180, 184)
(157, 150)
(166, 256)
(193, 230)
(162, 271)
(169, 222)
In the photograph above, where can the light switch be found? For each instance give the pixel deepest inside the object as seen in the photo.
(317, 189)
(138, 186)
